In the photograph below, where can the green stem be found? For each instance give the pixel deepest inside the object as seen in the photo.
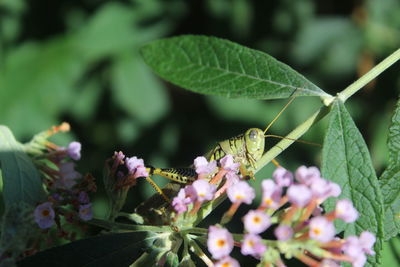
(292, 137)
(369, 76)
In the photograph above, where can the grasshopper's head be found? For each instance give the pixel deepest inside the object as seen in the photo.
(254, 140)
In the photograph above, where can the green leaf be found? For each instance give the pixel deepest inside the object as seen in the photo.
(136, 89)
(108, 250)
(21, 180)
(391, 252)
(210, 65)
(346, 161)
(390, 179)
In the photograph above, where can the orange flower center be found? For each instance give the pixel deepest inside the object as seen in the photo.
(317, 231)
(45, 213)
(268, 201)
(256, 219)
(220, 242)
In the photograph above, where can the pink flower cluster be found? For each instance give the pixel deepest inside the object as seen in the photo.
(301, 220)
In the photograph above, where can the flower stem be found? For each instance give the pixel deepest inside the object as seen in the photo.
(369, 76)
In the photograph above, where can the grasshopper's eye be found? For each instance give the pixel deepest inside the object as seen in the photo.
(253, 134)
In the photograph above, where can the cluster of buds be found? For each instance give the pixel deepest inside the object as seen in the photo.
(290, 207)
(121, 173)
(66, 187)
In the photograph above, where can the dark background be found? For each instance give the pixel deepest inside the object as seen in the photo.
(79, 61)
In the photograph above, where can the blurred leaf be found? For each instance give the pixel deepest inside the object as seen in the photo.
(390, 179)
(346, 161)
(172, 259)
(210, 65)
(391, 252)
(332, 43)
(137, 91)
(37, 83)
(107, 250)
(21, 181)
(109, 31)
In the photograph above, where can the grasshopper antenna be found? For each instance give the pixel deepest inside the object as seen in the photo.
(280, 112)
(296, 140)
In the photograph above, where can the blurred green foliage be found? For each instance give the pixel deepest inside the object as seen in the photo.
(78, 61)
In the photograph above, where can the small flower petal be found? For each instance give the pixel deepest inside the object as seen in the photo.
(44, 215)
(299, 194)
(256, 222)
(321, 229)
(227, 262)
(204, 190)
(219, 242)
(241, 192)
(282, 177)
(283, 232)
(85, 212)
(74, 150)
(346, 211)
(252, 245)
(307, 175)
(202, 166)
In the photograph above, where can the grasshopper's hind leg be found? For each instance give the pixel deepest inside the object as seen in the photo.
(158, 189)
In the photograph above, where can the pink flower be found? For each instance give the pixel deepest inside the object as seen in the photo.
(299, 195)
(329, 263)
(367, 241)
(282, 177)
(346, 211)
(74, 150)
(256, 222)
(307, 175)
(252, 245)
(321, 229)
(271, 194)
(180, 202)
(85, 212)
(202, 166)
(136, 167)
(44, 215)
(241, 192)
(322, 189)
(228, 164)
(283, 232)
(219, 242)
(227, 262)
(204, 190)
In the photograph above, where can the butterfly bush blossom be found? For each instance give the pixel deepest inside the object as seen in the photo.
(290, 208)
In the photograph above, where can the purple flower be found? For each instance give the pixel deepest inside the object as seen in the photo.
(307, 175)
(271, 194)
(180, 202)
(227, 262)
(83, 197)
(256, 222)
(346, 211)
(232, 178)
(354, 249)
(44, 215)
(241, 192)
(202, 166)
(119, 157)
(85, 212)
(367, 241)
(228, 164)
(283, 232)
(74, 150)
(321, 229)
(252, 245)
(136, 167)
(282, 177)
(204, 190)
(299, 194)
(68, 176)
(219, 242)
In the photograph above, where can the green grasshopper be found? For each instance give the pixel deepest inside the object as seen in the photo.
(246, 149)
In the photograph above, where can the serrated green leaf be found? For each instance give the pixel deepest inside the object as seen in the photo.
(390, 179)
(210, 65)
(346, 161)
(21, 180)
(108, 250)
